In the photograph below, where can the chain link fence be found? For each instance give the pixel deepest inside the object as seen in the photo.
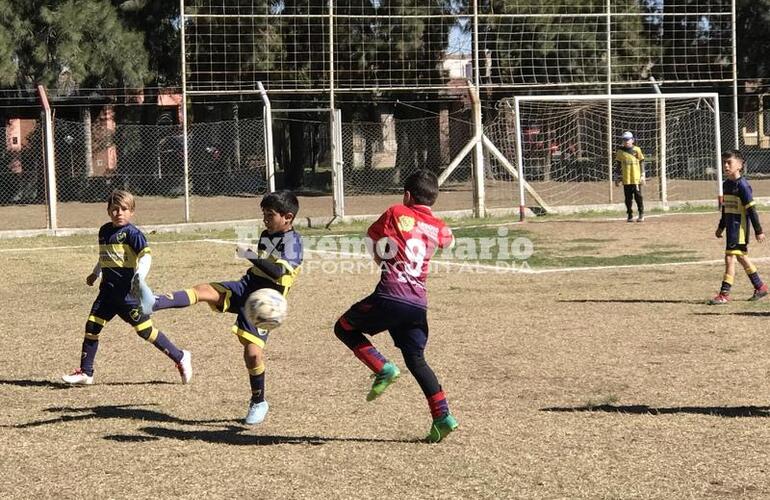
(379, 156)
(228, 164)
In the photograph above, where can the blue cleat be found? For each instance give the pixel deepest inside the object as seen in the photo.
(257, 413)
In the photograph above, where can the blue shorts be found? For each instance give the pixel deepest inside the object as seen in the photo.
(108, 304)
(736, 249)
(236, 293)
(407, 324)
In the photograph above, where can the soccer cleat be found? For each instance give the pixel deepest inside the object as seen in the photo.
(185, 367)
(257, 413)
(759, 293)
(640, 219)
(78, 377)
(141, 292)
(720, 298)
(630, 218)
(441, 428)
(382, 380)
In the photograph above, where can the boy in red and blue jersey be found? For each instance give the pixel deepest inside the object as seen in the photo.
(737, 210)
(275, 264)
(123, 255)
(404, 238)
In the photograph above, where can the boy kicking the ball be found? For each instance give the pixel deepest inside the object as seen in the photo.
(275, 264)
(404, 239)
(123, 254)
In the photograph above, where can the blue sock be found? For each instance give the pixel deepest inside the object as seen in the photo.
(89, 354)
(181, 298)
(168, 348)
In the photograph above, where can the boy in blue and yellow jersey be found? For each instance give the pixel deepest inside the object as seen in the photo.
(629, 168)
(275, 264)
(737, 210)
(123, 253)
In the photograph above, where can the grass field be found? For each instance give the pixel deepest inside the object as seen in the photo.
(593, 369)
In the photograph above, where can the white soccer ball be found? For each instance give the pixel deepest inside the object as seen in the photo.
(266, 308)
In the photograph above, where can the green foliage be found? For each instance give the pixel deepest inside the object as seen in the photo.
(71, 42)
(752, 38)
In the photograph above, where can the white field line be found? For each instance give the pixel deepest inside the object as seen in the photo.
(75, 247)
(521, 269)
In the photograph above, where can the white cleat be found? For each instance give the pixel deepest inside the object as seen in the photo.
(78, 377)
(257, 413)
(185, 367)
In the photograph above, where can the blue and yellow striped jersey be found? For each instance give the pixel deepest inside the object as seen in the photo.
(283, 249)
(119, 249)
(630, 162)
(737, 210)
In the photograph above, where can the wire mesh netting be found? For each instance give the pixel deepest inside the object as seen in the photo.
(22, 175)
(565, 161)
(363, 44)
(568, 147)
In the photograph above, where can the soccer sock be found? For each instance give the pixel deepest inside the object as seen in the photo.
(370, 356)
(167, 347)
(362, 348)
(89, 354)
(753, 275)
(727, 284)
(181, 298)
(257, 382)
(438, 405)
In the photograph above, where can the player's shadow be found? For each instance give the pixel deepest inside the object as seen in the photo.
(756, 314)
(121, 412)
(238, 436)
(633, 301)
(54, 384)
(716, 411)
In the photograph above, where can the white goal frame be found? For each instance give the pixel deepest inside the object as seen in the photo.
(711, 97)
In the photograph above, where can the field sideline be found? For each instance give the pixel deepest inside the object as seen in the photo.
(598, 373)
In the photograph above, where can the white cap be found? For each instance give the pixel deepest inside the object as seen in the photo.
(627, 136)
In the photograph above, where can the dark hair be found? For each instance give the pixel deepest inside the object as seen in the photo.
(733, 153)
(121, 198)
(423, 186)
(282, 202)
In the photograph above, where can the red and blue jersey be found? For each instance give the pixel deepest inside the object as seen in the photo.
(413, 234)
(119, 250)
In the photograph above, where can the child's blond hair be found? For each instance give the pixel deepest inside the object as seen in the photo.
(121, 198)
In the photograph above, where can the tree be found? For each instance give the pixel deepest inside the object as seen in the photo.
(41, 39)
(753, 38)
(562, 43)
(159, 23)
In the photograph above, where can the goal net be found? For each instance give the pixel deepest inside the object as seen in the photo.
(566, 144)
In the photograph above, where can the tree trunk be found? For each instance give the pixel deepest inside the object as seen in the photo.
(296, 167)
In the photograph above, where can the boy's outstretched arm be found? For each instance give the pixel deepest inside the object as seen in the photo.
(272, 269)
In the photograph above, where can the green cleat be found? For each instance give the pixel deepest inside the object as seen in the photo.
(441, 428)
(382, 380)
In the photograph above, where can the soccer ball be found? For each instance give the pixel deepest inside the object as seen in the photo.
(265, 308)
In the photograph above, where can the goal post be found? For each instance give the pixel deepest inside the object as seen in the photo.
(562, 151)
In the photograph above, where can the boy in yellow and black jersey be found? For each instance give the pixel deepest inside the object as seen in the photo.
(737, 210)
